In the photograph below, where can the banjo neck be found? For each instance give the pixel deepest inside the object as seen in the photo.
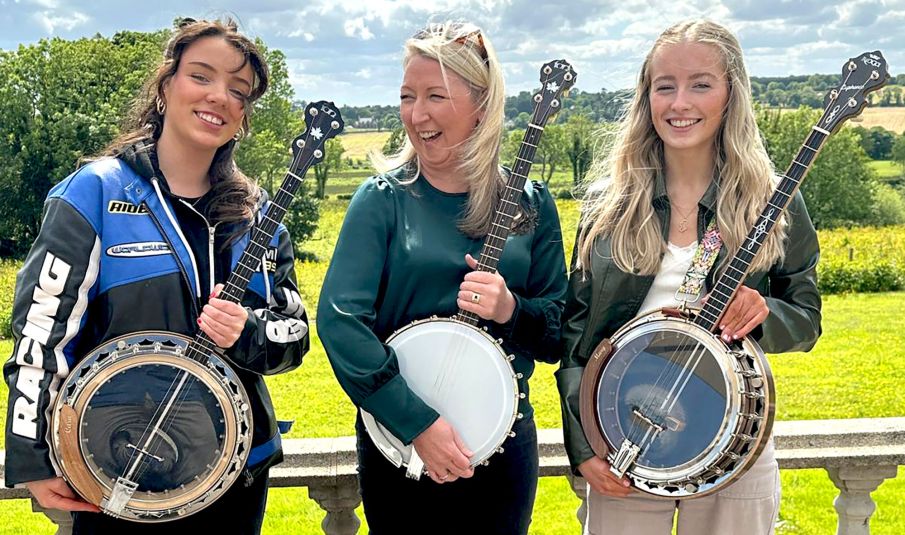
(737, 268)
(860, 75)
(323, 122)
(557, 78)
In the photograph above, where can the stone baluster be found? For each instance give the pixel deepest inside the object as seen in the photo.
(854, 504)
(339, 501)
(63, 519)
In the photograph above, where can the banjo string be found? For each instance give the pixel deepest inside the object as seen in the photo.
(172, 401)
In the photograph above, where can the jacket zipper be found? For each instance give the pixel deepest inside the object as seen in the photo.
(211, 233)
(182, 270)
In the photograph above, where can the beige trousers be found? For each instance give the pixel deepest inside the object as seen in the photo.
(750, 506)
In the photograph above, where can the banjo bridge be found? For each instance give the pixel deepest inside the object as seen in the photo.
(149, 454)
(670, 423)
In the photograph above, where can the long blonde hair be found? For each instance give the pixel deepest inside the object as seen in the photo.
(618, 202)
(463, 49)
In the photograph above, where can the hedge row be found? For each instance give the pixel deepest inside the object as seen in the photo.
(852, 260)
(862, 260)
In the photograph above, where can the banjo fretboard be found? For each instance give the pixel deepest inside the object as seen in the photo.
(323, 122)
(860, 76)
(557, 77)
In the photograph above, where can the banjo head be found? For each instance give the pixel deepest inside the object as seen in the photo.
(461, 372)
(699, 411)
(125, 443)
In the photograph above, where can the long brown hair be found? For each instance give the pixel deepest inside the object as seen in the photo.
(234, 195)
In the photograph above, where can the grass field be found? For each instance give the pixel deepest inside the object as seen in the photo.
(892, 119)
(358, 144)
(855, 371)
(887, 170)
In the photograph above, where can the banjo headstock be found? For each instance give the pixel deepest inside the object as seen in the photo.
(860, 76)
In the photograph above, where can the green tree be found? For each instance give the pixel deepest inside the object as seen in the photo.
(551, 152)
(839, 189)
(333, 161)
(579, 134)
(876, 142)
(62, 101)
(897, 153)
(395, 142)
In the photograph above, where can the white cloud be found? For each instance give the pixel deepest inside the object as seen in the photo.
(51, 23)
(348, 41)
(356, 28)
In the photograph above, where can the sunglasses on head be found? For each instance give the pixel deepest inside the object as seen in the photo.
(469, 35)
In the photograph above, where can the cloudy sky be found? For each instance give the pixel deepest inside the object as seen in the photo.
(349, 51)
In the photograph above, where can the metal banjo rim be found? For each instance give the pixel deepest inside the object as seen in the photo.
(652, 481)
(79, 389)
(379, 434)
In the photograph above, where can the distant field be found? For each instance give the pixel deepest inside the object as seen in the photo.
(357, 144)
(886, 169)
(892, 119)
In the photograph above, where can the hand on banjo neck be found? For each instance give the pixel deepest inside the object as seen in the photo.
(485, 293)
(747, 310)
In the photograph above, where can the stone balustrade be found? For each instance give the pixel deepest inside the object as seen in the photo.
(858, 454)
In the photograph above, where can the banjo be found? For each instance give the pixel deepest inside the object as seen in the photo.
(154, 426)
(452, 364)
(665, 400)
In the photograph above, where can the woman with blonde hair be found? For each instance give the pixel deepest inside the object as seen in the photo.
(406, 252)
(688, 153)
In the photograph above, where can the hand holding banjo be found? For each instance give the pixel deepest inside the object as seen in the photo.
(666, 401)
(153, 426)
(453, 364)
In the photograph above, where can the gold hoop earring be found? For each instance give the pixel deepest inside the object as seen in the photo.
(161, 106)
(240, 133)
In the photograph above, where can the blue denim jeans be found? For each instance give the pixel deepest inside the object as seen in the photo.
(498, 499)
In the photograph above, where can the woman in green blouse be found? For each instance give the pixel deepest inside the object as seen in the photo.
(406, 252)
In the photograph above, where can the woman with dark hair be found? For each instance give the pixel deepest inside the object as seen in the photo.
(137, 240)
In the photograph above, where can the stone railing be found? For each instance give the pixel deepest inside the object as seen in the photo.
(858, 455)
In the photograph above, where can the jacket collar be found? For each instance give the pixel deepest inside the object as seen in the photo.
(661, 198)
(141, 157)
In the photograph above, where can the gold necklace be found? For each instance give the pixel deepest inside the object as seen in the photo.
(683, 223)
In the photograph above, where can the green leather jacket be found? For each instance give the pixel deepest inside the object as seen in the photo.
(600, 300)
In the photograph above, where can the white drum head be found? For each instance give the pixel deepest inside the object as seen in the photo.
(461, 373)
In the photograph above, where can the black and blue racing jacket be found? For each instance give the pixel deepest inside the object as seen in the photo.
(111, 259)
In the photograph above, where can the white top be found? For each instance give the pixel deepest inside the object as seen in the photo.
(673, 268)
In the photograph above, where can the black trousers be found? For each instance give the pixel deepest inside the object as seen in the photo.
(498, 499)
(239, 511)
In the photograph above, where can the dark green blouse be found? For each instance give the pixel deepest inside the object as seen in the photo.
(399, 258)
